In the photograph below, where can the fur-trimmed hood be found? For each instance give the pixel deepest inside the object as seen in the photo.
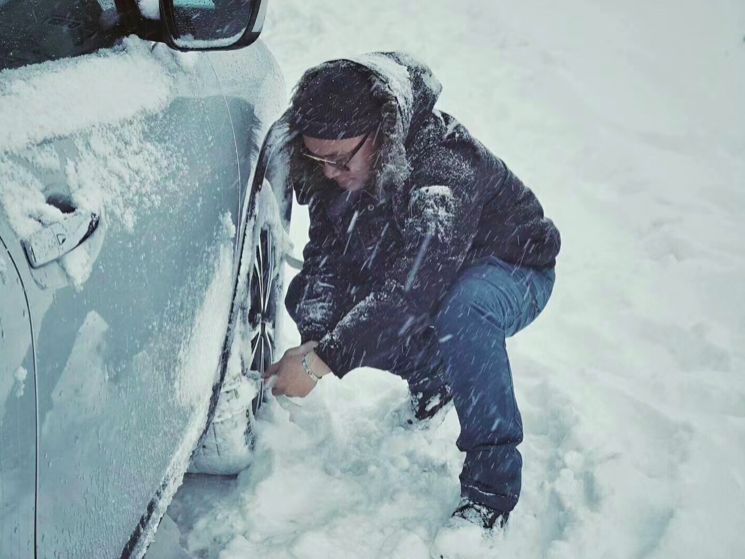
(407, 91)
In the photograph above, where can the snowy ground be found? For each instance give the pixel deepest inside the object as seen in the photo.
(627, 120)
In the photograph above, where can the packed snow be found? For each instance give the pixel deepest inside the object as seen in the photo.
(435, 204)
(20, 378)
(627, 121)
(125, 82)
(129, 83)
(150, 8)
(207, 337)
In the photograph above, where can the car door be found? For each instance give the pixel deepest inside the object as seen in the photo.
(129, 326)
(17, 412)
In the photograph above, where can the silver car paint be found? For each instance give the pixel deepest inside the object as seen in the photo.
(17, 413)
(126, 361)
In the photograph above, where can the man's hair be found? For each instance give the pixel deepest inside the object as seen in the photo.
(335, 100)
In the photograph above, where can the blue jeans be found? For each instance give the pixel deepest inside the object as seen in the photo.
(466, 355)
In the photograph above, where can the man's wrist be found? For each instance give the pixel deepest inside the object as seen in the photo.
(308, 370)
(316, 364)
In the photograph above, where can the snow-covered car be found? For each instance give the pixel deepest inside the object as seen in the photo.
(140, 261)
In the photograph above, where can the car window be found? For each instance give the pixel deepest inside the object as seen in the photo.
(33, 31)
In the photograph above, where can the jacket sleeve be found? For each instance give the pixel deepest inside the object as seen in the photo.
(318, 295)
(437, 231)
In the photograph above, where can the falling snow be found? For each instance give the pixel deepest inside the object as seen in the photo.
(630, 384)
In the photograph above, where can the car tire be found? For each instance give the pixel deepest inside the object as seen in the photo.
(225, 447)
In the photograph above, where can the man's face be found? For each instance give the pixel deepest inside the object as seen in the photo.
(358, 169)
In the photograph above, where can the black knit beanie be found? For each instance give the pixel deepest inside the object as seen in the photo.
(335, 101)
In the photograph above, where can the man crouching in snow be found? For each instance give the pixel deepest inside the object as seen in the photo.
(425, 253)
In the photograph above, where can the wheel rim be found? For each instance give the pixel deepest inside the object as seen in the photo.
(261, 310)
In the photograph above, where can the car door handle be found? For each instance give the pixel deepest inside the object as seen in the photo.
(57, 239)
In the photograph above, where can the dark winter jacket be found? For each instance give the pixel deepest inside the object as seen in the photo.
(379, 261)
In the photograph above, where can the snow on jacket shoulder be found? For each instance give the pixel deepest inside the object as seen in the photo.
(379, 262)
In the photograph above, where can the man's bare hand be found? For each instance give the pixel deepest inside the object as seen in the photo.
(292, 380)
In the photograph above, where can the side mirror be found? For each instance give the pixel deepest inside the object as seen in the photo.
(212, 24)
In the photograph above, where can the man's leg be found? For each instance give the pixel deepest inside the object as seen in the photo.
(489, 302)
(421, 366)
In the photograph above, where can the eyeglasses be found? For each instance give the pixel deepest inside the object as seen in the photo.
(341, 162)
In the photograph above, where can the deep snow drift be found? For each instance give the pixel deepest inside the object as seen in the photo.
(627, 120)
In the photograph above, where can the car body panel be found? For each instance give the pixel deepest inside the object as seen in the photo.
(17, 413)
(126, 342)
(129, 327)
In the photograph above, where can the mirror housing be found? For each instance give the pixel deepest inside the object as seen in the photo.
(211, 24)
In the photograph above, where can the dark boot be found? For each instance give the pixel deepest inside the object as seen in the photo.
(481, 515)
(426, 406)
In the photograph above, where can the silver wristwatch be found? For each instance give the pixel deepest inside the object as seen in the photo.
(308, 370)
